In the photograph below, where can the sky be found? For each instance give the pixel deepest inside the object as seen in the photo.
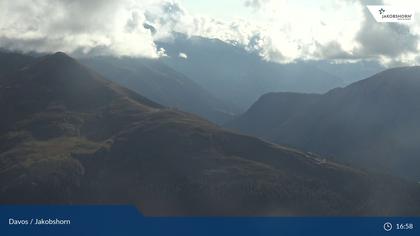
(278, 30)
(219, 9)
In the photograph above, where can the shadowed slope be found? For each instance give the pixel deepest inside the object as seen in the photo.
(374, 123)
(71, 137)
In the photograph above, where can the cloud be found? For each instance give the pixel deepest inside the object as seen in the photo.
(167, 17)
(384, 39)
(264, 46)
(120, 27)
(112, 27)
(255, 4)
(183, 55)
(300, 30)
(332, 30)
(332, 51)
(277, 30)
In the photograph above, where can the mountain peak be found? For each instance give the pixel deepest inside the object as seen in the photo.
(56, 62)
(60, 56)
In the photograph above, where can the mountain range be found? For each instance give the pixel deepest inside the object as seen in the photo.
(162, 84)
(69, 136)
(373, 123)
(239, 76)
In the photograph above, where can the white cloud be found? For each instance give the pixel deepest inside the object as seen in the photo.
(112, 27)
(279, 30)
(183, 55)
(341, 30)
(255, 4)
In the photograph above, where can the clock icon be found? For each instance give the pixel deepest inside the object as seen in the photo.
(387, 226)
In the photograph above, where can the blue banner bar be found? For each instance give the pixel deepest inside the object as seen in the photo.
(126, 220)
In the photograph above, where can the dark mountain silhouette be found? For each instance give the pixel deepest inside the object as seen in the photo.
(373, 123)
(156, 81)
(11, 61)
(68, 136)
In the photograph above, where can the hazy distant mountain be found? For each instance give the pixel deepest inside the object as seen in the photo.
(373, 123)
(270, 111)
(69, 136)
(156, 81)
(349, 72)
(234, 74)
